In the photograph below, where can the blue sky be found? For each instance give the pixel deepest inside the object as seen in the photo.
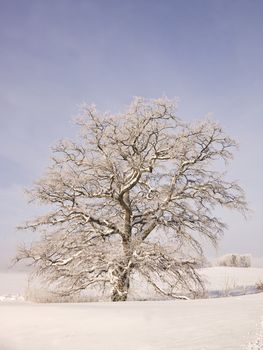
(56, 54)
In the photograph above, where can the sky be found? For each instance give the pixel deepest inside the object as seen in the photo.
(55, 55)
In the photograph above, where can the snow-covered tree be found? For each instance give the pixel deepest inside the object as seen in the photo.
(132, 196)
(234, 260)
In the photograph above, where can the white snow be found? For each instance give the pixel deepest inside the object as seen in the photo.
(223, 323)
(12, 283)
(226, 280)
(208, 324)
(218, 277)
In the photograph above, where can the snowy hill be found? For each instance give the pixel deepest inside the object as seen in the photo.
(12, 282)
(219, 281)
(219, 323)
(224, 281)
(211, 324)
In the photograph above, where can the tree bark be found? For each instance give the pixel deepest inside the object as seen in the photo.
(122, 273)
(121, 288)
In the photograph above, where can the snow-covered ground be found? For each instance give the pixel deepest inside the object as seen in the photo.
(216, 323)
(225, 281)
(13, 283)
(221, 277)
(223, 323)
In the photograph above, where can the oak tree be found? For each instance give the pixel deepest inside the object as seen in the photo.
(133, 196)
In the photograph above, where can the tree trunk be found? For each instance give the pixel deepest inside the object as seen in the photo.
(121, 287)
(122, 272)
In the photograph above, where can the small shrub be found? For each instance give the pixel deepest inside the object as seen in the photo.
(41, 295)
(234, 260)
(259, 286)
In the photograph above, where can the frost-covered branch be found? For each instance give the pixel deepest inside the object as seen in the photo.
(131, 186)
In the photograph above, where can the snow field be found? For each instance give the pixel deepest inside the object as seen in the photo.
(257, 342)
(224, 281)
(12, 283)
(208, 324)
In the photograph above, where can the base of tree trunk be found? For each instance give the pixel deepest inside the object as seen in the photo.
(116, 296)
(120, 290)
